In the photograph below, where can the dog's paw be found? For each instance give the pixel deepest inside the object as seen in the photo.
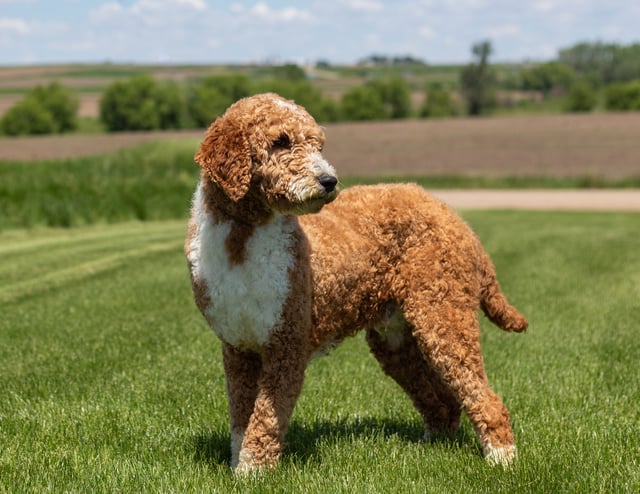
(246, 465)
(503, 456)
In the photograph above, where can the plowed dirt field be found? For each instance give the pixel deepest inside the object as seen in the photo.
(600, 145)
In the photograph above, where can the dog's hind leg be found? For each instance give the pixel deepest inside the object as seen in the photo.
(242, 370)
(448, 334)
(401, 359)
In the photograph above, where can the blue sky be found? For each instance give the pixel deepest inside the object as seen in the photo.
(340, 31)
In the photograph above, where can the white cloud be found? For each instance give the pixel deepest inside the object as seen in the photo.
(544, 6)
(150, 10)
(265, 13)
(14, 26)
(194, 4)
(106, 11)
(364, 5)
(242, 30)
(144, 6)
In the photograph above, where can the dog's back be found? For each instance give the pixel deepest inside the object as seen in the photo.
(374, 244)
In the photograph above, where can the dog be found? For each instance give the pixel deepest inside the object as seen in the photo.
(279, 284)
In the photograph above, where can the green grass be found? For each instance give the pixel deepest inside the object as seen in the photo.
(155, 181)
(111, 382)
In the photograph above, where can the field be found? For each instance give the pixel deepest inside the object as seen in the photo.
(110, 381)
(89, 81)
(587, 146)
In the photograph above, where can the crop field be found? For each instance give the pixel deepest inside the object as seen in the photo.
(111, 382)
(597, 146)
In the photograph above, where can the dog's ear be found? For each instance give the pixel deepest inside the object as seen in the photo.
(225, 155)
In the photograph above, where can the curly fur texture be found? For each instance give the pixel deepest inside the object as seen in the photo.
(278, 288)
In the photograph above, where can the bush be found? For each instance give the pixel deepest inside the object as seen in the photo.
(304, 94)
(581, 98)
(394, 93)
(290, 72)
(363, 103)
(44, 110)
(27, 117)
(547, 77)
(60, 103)
(210, 97)
(142, 104)
(623, 97)
(438, 103)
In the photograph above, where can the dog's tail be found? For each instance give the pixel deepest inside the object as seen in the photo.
(495, 305)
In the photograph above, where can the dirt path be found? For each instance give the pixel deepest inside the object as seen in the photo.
(556, 200)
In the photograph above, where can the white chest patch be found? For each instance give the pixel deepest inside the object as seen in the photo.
(246, 299)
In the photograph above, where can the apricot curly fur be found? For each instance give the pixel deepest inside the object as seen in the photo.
(279, 286)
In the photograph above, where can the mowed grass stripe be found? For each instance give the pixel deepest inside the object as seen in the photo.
(25, 263)
(82, 253)
(27, 241)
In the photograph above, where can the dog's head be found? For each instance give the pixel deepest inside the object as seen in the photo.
(272, 147)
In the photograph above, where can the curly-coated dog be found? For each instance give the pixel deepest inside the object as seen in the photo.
(278, 285)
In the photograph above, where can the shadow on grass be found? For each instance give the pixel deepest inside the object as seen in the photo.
(303, 439)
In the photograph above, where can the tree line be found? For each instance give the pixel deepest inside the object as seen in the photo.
(144, 103)
(579, 75)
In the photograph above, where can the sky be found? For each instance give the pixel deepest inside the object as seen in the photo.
(336, 31)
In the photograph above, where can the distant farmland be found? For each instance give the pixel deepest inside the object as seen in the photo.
(593, 145)
(88, 81)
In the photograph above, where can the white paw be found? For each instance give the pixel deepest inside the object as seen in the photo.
(246, 465)
(503, 456)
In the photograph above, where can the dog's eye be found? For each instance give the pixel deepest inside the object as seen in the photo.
(282, 142)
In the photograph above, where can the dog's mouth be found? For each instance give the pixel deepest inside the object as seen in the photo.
(309, 194)
(314, 204)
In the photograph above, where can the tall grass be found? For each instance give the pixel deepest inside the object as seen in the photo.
(111, 382)
(150, 182)
(155, 181)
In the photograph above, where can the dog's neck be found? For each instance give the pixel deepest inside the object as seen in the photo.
(248, 211)
(243, 216)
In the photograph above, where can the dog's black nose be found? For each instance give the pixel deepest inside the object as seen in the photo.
(329, 182)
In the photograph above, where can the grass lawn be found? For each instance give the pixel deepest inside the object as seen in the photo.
(111, 382)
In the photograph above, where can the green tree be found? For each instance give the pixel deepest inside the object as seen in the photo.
(305, 94)
(27, 117)
(547, 77)
(141, 103)
(211, 96)
(44, 110)
(363, 103)
(477, 81)
(60, 103)
(289, 72)
(603, 62)
(581, 98)
(395, 94)
(438, 103)
(623, 96)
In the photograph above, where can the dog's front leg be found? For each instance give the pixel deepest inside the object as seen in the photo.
(242, 370)
(283, 364)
